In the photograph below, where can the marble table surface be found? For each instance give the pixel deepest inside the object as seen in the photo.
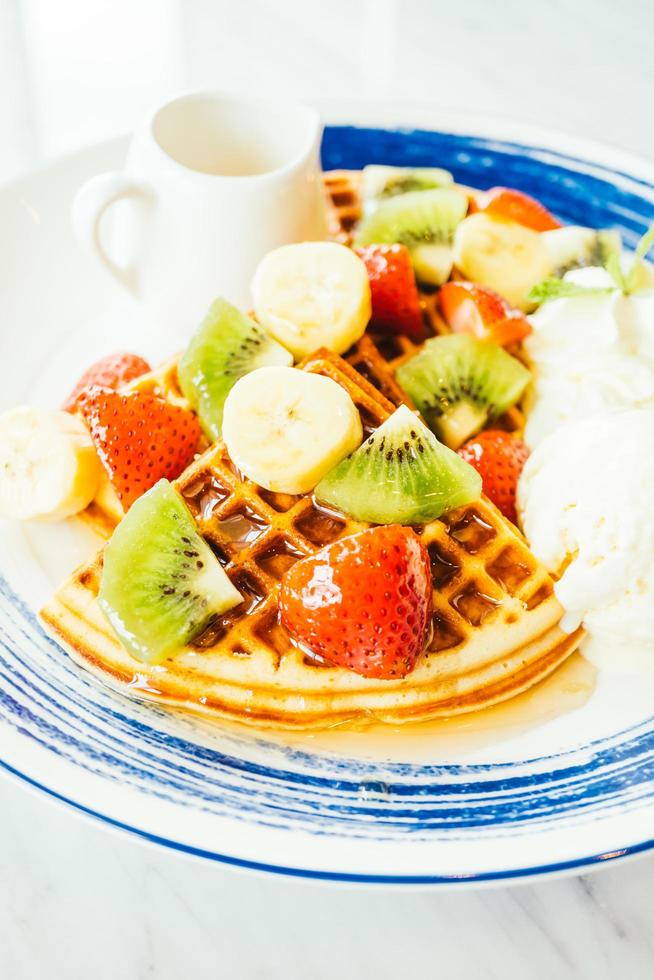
(77, 900)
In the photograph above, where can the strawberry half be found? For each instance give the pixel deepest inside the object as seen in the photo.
(363, 602)
(112, 371)
(499, 458)
(506, 202)
(139, 438)
(470, 308)
(395, 300)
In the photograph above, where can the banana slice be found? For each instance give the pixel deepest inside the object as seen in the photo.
(49, 469)
(503, 255)
(285, 428)
(310, 295)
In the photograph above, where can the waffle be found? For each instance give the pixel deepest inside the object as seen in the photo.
(495, 621)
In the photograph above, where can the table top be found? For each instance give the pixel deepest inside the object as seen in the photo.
(74, 894)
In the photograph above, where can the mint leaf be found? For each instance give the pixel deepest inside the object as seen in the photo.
(614, 269)
(550, 289)
(645, 244)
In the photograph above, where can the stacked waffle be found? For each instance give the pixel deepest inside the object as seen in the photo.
(495, 618)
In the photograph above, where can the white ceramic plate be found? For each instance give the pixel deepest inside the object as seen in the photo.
(560, 778)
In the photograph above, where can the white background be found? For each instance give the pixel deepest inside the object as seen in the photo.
(77, 901)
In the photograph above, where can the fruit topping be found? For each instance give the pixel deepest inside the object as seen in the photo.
(226, 346)
(499, 458)
(503, 255)
(363, 602)
(470, 308)
(424, 221)
(574, 247)
(379, 183)
(285, 428)
(112, 371)
(139, 438)
(400, 475)
(513, 205)
(459, 384)
(161, 583)
(49, 469)
(311, 295)
(395, 300)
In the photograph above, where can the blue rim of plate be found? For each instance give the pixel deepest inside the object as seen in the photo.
(580, 193)
(508, 875)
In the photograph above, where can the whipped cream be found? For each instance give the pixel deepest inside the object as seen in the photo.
(585, 500)
(589, 354)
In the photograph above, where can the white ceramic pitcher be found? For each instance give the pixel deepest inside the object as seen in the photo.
(212, 182)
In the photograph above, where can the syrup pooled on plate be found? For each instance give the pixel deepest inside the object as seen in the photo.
(566, 690)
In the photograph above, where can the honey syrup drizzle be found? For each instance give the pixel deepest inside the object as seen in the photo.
(567, 689)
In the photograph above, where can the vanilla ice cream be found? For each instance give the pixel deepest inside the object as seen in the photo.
(586, 504)
(589, 354)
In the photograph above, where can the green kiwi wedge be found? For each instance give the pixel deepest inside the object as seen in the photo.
(379, 183)
(161, 582)
(574, 247)
(401, 474)
(425, 222)
(226, 346)
(459, 384)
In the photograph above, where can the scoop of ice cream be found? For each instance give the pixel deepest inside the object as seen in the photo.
(589, 354)
(585, 501)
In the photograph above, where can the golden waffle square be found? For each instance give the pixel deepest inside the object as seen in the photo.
(495, 620)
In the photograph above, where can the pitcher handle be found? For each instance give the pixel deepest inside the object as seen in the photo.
(91, 203)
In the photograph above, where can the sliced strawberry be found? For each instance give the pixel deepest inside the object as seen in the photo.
(506, 202)
(109, 372)
(395, 300)
(470, 308)
(499, 458)
(139, 438)
(362, 602)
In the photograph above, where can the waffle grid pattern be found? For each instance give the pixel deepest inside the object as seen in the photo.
(481, 566)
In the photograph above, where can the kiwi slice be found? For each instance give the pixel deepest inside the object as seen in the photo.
(574, 247)
(460, 383)
(379, 183)
(226, 346)
(161, 583)
(401, 474)
(425, 222)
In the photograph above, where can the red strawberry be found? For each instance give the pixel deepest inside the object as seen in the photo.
(109, 372)
(395, 300)
(363, 602)
(499, 458)
(139, 438)
(475, 200)
(506, 202)
(470, 308)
